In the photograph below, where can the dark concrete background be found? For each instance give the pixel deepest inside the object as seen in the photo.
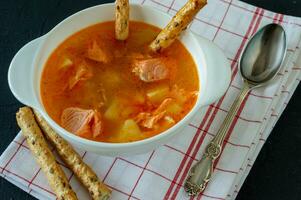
(275, 175)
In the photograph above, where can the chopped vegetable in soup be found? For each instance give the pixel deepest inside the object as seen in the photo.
(115, 91)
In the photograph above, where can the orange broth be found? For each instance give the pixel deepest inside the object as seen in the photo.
(115, 82)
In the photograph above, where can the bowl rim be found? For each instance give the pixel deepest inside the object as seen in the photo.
(151, 139)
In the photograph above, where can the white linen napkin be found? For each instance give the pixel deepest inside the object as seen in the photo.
(161, 173)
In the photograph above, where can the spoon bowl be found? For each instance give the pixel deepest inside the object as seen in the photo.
(263, 55)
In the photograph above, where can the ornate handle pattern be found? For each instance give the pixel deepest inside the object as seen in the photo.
(200, 174)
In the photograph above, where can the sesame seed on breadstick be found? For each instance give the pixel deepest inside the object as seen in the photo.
(122, 10)
(178, 24)
(39, 148)
(83, 172)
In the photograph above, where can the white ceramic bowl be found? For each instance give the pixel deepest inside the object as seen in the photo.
(26, 67)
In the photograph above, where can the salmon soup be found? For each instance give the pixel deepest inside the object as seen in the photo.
(118, 91)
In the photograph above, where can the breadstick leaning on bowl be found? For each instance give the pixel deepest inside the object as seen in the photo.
(39, 148)
(83, 172)
(178, 23)
(122, 12)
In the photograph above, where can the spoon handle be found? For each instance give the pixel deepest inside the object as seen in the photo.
(200, 174)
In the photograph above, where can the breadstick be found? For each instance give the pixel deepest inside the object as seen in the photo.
(122, 10)
(178, 23)
(39, 148)
(83, 172)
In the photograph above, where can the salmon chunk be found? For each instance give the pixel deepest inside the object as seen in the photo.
(82, 121)
(182, 96)
(151, 70)
(149, 120)
(82, 73)
(97, 127)
(163, 106)
(98, 54)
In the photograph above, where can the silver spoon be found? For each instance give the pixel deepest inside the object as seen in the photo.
(259, 63)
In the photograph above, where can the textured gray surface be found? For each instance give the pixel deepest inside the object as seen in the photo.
(277, 171)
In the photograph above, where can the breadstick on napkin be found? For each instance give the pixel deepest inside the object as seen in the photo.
(122, 10)
(84, 173)
(178, 24)
(39, 148)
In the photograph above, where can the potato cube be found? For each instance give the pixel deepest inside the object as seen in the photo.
(113, 111)
(120, 109)
(130, 130)
(173, 108)
(157, 94)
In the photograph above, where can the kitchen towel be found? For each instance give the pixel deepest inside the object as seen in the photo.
(160, 174)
